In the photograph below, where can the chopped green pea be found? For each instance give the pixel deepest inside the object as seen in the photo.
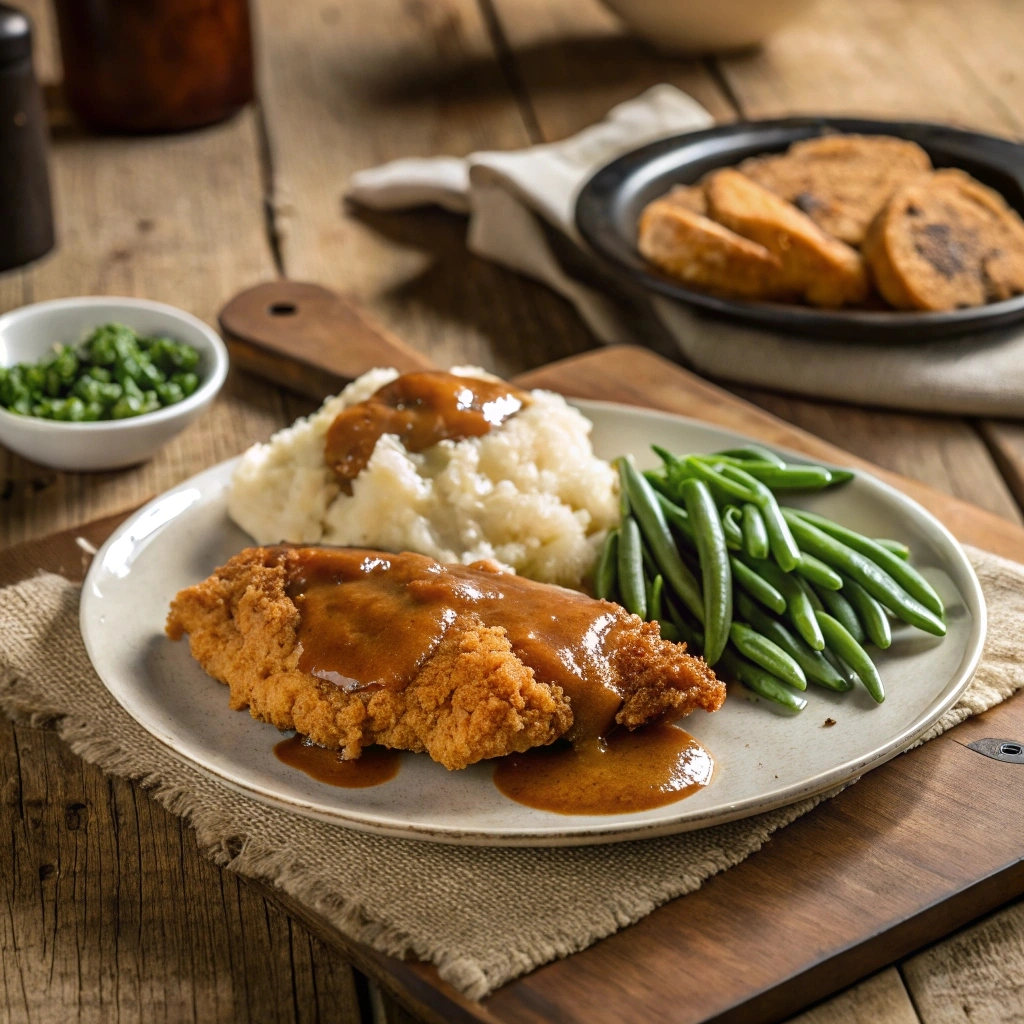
(113, 374)
(170, 392)
(188, 382)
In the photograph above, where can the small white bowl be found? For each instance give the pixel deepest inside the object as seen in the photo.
(28, 334)
(706, 26)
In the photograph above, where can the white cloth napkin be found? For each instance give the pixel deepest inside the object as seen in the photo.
(519, 203)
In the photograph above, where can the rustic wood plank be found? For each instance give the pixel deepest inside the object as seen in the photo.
(922, 59)
(177, 218)
(574, 61)
(877, 999)
(349, 85)
(974, 977)
(111, 910)
(1006, 444)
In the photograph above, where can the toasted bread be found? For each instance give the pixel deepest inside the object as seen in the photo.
(946, 241)
(700, 252)
(840, 181)
(825, 271)
(689, 197)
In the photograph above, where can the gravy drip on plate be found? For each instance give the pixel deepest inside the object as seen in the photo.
(368, 620)
(376, 766)
(421, 409)
(621, 773)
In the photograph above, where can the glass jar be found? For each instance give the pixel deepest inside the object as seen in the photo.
(155, 65)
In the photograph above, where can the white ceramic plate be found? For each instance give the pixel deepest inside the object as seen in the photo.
(765, 758)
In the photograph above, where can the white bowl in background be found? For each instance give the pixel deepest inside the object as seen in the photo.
(705, 26)
(28, 334)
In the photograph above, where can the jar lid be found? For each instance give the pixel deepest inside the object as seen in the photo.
(15, 35)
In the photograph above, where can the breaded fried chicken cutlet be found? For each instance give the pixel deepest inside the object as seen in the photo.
(353, 647)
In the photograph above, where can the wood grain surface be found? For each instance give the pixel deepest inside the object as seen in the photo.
(109, 911)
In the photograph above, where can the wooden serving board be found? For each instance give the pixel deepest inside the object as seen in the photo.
(916, 849)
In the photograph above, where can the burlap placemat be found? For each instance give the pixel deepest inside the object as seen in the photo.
(478, 914)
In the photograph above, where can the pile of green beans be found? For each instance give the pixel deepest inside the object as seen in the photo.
(776, 597)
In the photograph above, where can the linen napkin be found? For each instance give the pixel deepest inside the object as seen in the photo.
(521, 206)
(476, 913)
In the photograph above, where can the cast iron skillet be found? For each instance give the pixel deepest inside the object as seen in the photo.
(609, 206)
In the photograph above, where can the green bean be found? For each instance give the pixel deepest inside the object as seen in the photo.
(743, 576)
(730, 524)
(903, 573)
(818, 573)
(763, 683)
(898, 548)
(780, 537)
(850, 678)
(691, 635)
(710, 475)
(624, 509)
(875, 580)
(782, 478)
(812, 594)
(754, 453)
(816, 667)
(656, 478)
(757, 586)
(869, 612)
(799, 609)
(837, 605)
(714, 564)
(755, 536)
(607, 565)
(654, 606)
(669, 631)
(631, 568)
(844, 646)
(768, 654)
(650, 566)
(841, 476)
(647, 509)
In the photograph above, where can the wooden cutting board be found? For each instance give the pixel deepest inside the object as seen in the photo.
(916, 849)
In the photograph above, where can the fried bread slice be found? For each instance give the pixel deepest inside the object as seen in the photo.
(825, 271)
(471, 696)
(700, 252)
(840, 181)
(689, 197)
(945, 241)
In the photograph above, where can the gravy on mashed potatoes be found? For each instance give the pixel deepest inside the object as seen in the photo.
(528, 492)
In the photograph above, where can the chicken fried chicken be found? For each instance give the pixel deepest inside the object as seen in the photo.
(353, 647)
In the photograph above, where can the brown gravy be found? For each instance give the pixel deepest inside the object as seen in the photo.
(621, 774)
(377, 764)
(422, 409)
(368, 621)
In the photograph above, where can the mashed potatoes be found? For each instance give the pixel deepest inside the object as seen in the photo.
(530, 494)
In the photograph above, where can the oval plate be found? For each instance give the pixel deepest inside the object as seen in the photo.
(609, 205)
(765, 758)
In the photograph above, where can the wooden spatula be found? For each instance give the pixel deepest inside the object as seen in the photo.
(309, 339)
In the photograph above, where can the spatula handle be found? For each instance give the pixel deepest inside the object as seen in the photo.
(309, 339)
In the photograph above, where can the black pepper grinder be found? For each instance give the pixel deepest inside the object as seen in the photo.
(26, 217)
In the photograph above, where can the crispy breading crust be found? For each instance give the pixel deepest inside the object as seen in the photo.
(471, 699)
(945, 242)
(825, 271)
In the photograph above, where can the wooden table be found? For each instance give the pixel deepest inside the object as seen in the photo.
(110, 910)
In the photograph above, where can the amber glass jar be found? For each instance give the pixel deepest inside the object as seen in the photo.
(155, 65)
